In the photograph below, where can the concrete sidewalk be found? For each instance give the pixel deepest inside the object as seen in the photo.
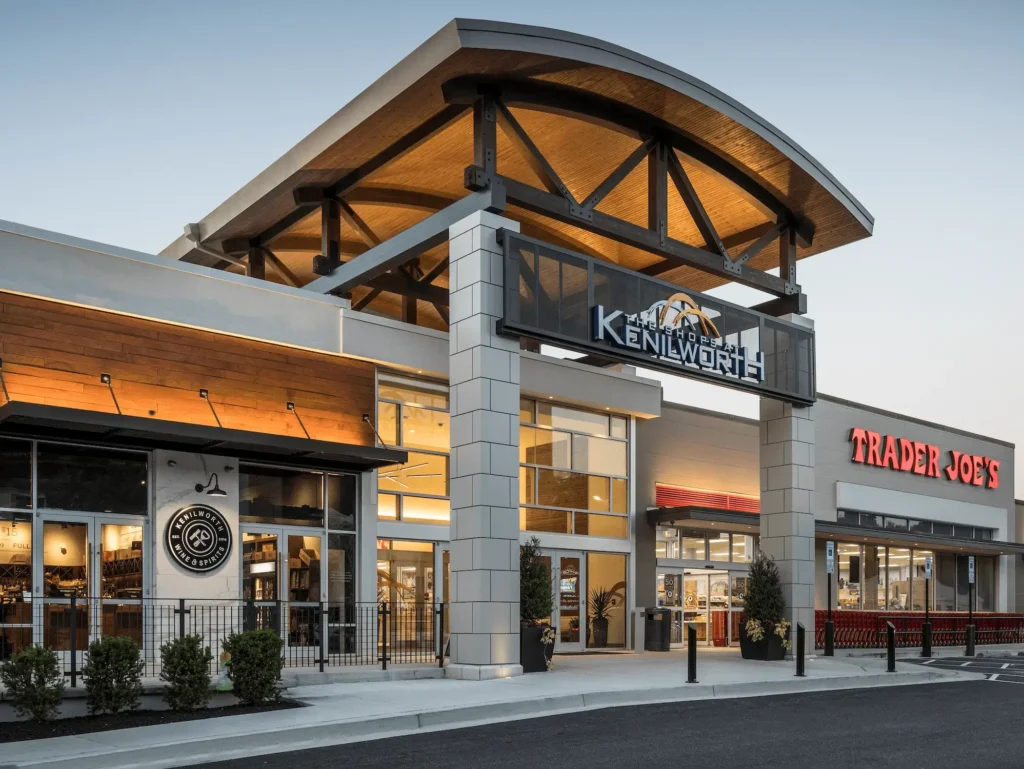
(351, 712)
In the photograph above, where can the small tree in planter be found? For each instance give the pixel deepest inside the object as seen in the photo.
(765, 631)
(536, 603)
(602, 604)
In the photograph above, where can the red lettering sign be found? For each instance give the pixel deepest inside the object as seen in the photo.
(907, 456)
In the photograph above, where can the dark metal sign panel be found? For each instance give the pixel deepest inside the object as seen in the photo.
(585, 304)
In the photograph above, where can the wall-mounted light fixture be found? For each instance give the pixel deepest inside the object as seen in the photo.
(216, 491)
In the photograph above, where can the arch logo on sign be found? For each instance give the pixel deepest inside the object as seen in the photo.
(198, 538)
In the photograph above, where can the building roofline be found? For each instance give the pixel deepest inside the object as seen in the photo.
(915, 420)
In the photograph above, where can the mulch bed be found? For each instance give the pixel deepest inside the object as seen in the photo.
(16, 731)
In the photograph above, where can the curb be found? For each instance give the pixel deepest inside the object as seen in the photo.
(205, 750)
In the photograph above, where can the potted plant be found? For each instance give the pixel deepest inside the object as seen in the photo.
(536, 603)
(764, 632)
(602, 603)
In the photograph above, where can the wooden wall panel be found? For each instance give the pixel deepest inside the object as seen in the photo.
(54, 354)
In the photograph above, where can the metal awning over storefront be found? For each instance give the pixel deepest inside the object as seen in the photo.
(54, 422)
(704, 518)
(860, 535)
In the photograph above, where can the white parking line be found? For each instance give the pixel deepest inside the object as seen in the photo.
(993, 677)
(1006, 666)
(928, 662)
(965, 664)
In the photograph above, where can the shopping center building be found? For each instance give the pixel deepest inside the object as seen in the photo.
(337, 391)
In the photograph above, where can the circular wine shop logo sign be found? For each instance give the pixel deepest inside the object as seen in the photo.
(198, 538)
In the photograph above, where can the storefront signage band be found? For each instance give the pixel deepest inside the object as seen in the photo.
(907, 456)
(198, 538)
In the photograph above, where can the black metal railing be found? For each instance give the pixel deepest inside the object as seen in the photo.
(315, 635)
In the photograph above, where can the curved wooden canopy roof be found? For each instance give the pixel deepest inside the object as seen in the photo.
(397, 152)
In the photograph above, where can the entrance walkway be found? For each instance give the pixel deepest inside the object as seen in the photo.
(351, 712)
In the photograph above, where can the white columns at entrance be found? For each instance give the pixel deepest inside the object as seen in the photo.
(484, 379)
(787, 519)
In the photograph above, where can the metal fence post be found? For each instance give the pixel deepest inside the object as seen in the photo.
(800, 634)
(440, 635)
(384, 635)
(74, 641)
(890, 632)
(323, 635)
(181, 617)
(691, 653)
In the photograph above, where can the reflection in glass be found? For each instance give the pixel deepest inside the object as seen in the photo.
(15, 474)
(341, 502)
(606, 600)
(848, 578)
(918, 582)
(560, 488)
(92, 480)
(65, 560)
(535, 519)
(277, 495)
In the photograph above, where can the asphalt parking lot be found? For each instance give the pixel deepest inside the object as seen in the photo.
(1004, 669)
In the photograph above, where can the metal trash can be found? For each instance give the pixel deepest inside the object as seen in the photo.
(657, 630)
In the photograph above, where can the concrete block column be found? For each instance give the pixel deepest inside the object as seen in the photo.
(787, 519)
(484, 380)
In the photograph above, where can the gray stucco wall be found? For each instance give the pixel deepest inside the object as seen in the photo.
(691, 448)
(833, 420)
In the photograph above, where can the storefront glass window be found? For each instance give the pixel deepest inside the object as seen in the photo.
(962, 583)
(693, 545)
(848, 596)
(92, 480)
(606, 602)
(15, 557)
(874, 577)
(341, 502)
(280, 496)
(413, 414)
(341, 572)
(601, 525)
(15, 474)
(121, 561)
(919, 580)
(985, 583)
(945, 582)
(65, 560)
(405, 571)
(576, 461)
(742, 548)
(718, 547)
(899, 579)
(569, 418)
(667, 543)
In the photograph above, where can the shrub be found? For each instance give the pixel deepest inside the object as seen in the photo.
(536, 597)
(764, 601)
(113, 675)
(185, 668)
(254, 665)
(34, 682)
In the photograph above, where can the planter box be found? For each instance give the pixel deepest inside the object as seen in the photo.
(533, 655)
(769, 648)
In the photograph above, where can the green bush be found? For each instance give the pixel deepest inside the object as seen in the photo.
(764, 601)
(34, 682)
(113, 675)
(185, 668)
(254, 665)
(536, 597)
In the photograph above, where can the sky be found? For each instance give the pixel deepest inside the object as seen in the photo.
(122, 121)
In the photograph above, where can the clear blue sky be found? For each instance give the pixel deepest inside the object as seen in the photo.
(121, 121)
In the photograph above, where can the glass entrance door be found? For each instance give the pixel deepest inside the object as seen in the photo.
(282, 579)
(670, 596)
(569, 579)
(93, 577)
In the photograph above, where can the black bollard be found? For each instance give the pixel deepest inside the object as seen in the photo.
(926, 639)
(890, 633)
(830, 639)
(970, 640)
(691, 653)
(800, 633)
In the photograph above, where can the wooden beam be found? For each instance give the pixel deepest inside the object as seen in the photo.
(657, 192)
(697, 211)
(257, 264)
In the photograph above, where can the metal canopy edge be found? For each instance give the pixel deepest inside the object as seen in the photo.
(41, 421)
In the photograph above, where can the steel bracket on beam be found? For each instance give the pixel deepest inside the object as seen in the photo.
(734, 267)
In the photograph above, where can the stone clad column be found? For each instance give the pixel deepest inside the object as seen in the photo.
(787, 517)
(484, 379)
